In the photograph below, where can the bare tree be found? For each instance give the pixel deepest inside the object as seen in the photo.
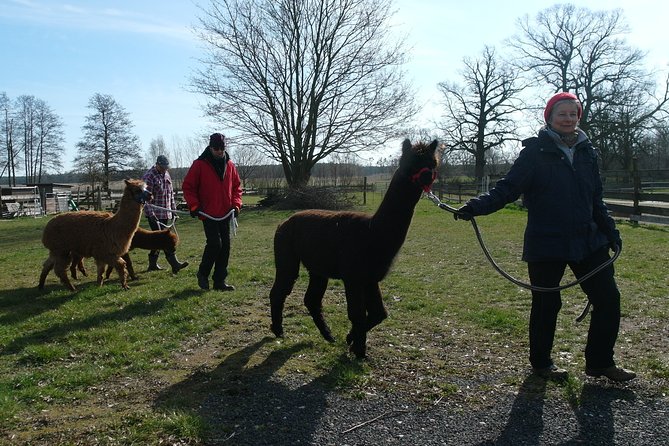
(480, 113)
(8, 155)
(247, 159)
(156, 147)
(185, 149)
(574, 49)
(48, 143)
(621, 125)
(37, 138)
(302, 79)
(107, 141)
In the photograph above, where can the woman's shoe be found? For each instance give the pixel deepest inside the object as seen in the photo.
(617, 374)
(551, 373)
(202, 281)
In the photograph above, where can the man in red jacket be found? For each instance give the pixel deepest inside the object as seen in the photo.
(212, 187)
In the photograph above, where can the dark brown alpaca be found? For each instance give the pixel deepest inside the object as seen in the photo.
(101, 235)
(355, 247)
(164, 239)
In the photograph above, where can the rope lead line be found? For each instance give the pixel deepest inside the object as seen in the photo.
(479, 237)
(233, 221)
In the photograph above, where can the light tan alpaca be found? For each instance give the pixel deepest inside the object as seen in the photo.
(103, 236)
(161, 240)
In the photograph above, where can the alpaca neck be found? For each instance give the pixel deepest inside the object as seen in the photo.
(128, 214)
(391, 221)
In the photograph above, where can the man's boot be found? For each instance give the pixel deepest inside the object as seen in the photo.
(174, 262)
(153, 262)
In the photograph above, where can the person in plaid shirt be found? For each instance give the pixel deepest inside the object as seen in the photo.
(159, 183)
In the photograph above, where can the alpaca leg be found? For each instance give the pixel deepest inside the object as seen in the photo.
(287, 265)
(376, 311)
(355, 304)
(284, 280)
(128, 264)
(76, 258)
(100, 265)
(46, 267)
(313, 300)
(60, 267)
(122, 273)
(80, 266)
(277, 297)
(129, 267)
(77, 264)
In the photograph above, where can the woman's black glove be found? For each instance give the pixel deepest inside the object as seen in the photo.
(616, 244)
(464, 213)
(195, 213)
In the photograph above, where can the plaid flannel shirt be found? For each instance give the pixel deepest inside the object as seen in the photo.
(160, 185)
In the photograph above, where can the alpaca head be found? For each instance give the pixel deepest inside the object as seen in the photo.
(419, 162)
(137, 190)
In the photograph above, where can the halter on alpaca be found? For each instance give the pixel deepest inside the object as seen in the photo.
(352, 246)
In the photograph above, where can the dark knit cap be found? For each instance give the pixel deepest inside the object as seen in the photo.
(162, 161)
(217, 141)
(562, 96)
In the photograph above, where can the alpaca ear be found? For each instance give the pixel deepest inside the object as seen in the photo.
(433, 146)
(406, 146)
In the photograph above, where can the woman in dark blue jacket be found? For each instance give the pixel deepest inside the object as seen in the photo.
(567, 224)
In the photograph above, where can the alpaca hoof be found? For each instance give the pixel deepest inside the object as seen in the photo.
(278, 331)
(328, 337)
(360, 353)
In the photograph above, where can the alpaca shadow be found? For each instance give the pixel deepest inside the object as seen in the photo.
(525, 423)
(20, 304)
(245, 404)
(595, 414)
(61, 330)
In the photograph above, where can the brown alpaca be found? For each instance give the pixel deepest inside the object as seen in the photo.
(101, 235)
(355, 247)
(164, 239)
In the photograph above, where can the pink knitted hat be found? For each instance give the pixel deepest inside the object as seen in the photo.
(561, 97)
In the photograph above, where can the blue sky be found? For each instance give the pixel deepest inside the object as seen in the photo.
(142, 52)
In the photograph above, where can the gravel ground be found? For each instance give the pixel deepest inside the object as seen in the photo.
(254, 408)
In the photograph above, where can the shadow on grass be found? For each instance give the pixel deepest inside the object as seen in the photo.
(246, 404)
(59, 331)
(21, 304)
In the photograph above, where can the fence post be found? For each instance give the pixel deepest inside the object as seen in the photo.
(364, 190)
(637, 186)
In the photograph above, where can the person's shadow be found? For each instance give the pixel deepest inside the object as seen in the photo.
(595, 414)
(593, 411)
(246, 404)
(525, 423)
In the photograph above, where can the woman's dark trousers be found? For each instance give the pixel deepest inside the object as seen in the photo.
(217, 250)
(601, 290)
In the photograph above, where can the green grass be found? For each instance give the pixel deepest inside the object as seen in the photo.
(452, 318)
